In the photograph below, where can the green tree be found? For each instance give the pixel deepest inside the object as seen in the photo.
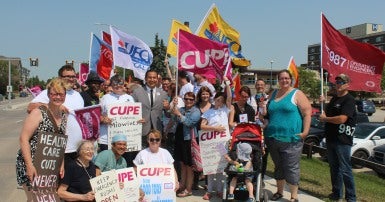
(15, 76)
(159, 53)
(33, 81)
(309, 83)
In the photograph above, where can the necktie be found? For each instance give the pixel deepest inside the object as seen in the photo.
(151, 98)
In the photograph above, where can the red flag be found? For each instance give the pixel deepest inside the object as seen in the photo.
(236, 86)
(294, 72)
(106, 61)
(362, 62)
(89, 121)
(202, 56)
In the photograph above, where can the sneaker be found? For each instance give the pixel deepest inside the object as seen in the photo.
(334, 197)
(250, 200)
(230, 196)
(207, 196)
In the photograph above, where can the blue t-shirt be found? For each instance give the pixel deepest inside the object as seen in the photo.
(285, 119)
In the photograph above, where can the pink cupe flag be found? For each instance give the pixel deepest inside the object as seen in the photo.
(89, 121)
(202, 56)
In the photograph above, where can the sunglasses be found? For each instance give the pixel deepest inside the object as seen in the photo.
(114, 83)
(189, 99)
(340, 82)
(154, 139)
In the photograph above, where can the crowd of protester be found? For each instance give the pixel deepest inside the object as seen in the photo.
(172, 112)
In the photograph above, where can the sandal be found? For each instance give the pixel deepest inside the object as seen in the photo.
(207, 196)
(184, 194)
(276, 196)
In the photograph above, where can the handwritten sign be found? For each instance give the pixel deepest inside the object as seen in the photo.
(48, 159)
(125, 118)
(157, 181)
(131, 183)
(212, 144)
(106, 187)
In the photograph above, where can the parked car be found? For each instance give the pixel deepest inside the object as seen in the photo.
(317, 128)
(366, 136)
(366, 106)
(379, 157)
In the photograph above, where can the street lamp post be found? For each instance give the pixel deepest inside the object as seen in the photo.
(271, 73)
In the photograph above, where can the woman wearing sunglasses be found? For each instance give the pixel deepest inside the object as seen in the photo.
(154, 154)
(188, 118)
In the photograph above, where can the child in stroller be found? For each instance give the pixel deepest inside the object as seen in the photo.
(244, 137)
(241, 164)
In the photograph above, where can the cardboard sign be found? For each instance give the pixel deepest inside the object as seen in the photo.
(106, 187)
(125, 118)
(157, 181)
(131, 183)
(212, 145)
(48, 159)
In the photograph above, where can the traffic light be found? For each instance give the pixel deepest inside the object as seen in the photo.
(70, 63)
(34, 62)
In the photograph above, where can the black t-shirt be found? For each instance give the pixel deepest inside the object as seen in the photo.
(343, 133)
(77, 179)
(249, 110)
(89, 98)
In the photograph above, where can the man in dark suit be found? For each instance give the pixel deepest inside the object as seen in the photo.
(151, 108)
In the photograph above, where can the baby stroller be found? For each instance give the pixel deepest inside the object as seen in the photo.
(246, 133)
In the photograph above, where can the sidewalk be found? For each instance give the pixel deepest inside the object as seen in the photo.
(17, 103)
(270, 188)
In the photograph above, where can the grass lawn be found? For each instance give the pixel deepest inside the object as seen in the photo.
(315, 180)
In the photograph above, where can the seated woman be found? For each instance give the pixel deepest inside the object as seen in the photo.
(76, 185)
(154, 154)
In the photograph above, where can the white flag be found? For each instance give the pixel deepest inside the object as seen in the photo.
(130, 52)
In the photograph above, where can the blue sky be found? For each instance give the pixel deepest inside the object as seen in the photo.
(55, 31)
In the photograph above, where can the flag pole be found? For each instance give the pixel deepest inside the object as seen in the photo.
(177, 68)
(322, 71)
(207, 14)
(227, 66)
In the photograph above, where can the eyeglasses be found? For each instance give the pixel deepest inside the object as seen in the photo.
(57, 94)
(340, 82)
(88, 150)
(284, 78)
(154, 139)
(69, 76)
(189, 99)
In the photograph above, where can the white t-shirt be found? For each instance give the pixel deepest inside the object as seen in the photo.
(146, 157)
(73, 102)
(106, 100)
(188, 87)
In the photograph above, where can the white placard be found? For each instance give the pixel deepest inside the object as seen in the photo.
(212, 145)
(157, 181)
(131, 183)
(106, 187)
(125, 118)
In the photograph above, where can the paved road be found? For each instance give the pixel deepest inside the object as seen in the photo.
(11, 120)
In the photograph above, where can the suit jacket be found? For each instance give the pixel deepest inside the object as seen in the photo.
(150, 114)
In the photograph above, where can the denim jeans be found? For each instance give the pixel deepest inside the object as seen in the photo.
(341, 170)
